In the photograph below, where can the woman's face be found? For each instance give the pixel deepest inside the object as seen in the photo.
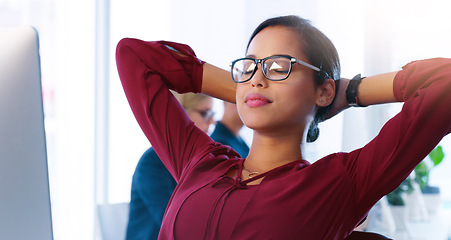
(202, 115)
(266, 105)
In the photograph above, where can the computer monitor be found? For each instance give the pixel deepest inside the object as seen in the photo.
(24, 185)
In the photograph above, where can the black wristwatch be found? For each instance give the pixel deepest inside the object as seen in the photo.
(351, 91)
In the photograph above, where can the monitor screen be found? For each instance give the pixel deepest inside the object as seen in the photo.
(24, 186)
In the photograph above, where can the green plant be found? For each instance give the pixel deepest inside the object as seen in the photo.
(423, 170)
(395, 198)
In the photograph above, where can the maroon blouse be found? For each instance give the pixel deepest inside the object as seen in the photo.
(323, 200)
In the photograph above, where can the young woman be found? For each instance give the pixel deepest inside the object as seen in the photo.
(287, 83)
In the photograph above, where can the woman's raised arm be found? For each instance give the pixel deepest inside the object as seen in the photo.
(377, 89)
(218, 83)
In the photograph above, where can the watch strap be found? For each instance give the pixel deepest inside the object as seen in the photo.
(351, 91)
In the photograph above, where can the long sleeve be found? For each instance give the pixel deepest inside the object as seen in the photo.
(147, 71)
(406, 139)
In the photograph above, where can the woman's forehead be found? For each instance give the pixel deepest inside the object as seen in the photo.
(276, 40)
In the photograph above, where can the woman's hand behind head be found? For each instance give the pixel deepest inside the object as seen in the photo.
(340, 103)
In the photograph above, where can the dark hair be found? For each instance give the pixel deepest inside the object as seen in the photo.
(320, 52)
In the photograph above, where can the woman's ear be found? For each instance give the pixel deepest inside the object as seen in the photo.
(325, 93)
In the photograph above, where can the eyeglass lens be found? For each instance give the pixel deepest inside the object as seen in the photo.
(274, 68)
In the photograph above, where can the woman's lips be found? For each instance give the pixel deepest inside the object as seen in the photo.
(256, 100)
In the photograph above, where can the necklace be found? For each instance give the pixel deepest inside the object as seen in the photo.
(251, 173)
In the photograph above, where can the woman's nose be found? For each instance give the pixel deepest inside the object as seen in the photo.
(259, 79)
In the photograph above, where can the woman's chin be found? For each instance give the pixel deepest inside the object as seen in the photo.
(259, 124)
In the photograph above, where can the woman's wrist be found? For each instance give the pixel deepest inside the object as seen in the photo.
(352, 91)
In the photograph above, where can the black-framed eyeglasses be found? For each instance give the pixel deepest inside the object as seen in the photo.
(274, 68)
(207, 115)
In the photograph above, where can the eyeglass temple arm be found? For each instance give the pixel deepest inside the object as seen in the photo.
(306, 64)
